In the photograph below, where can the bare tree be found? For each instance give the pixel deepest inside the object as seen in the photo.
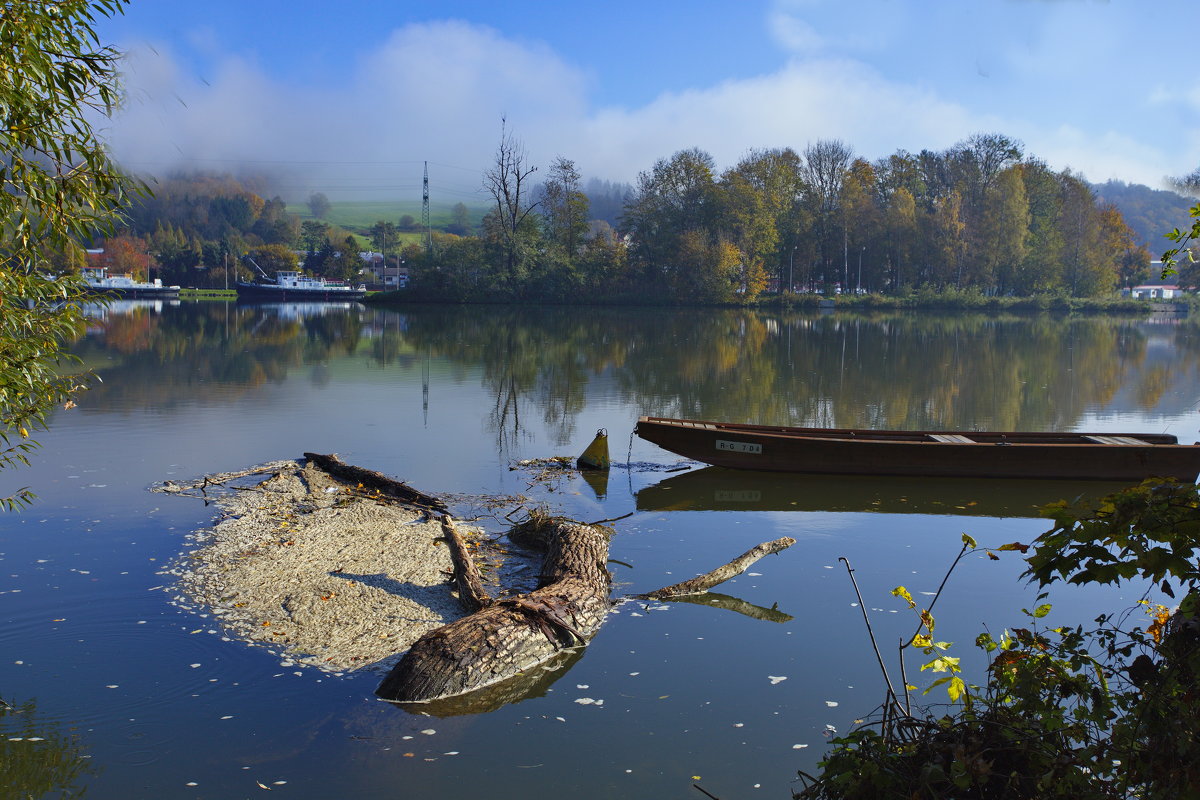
(507, 181)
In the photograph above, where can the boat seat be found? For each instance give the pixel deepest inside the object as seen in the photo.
(1115, 440)
(951, 438)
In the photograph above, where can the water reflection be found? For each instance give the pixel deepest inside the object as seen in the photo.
(720, 489)
(36, 759)
(532, 683)
(898, 371)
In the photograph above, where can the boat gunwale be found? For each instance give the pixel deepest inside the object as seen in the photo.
(1022, 439)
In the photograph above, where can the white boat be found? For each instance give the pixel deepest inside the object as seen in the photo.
(293, 285)
(99, 281)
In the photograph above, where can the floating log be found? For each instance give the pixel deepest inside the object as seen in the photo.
(702, 583)
(516, 634)
(375, 481)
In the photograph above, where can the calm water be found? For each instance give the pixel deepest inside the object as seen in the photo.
(134, 696)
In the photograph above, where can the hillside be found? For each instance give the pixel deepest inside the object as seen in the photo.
(1149, 212)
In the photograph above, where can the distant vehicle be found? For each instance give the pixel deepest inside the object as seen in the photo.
(98, 281)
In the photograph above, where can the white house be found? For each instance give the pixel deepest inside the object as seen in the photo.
(1155, 290)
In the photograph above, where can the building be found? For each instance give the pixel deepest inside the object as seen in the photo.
(1156, 290)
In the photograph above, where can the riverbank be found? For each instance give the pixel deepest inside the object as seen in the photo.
(946, 300)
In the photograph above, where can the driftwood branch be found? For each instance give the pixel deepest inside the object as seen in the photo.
(375, 481)
(702, 583)
(470, 585)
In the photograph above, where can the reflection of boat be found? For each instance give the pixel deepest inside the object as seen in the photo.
(720, 489)
(1090, 456)
(99, 281)
(293, 285)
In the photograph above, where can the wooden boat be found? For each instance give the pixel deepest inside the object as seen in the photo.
(1086, 456)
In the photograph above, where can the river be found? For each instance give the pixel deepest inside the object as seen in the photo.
(120, 689)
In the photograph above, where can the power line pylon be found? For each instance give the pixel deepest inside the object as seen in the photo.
(425, 211)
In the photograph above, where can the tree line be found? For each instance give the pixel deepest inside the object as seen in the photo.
(981, 215)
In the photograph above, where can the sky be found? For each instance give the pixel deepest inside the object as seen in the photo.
(354, 97)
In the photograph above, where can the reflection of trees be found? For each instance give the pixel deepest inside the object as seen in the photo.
(151, 358)
(892, 371)
(35, 759)
(842, 370)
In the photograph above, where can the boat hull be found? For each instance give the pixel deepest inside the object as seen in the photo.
(268, 292)
(920, 453)
(137, 293)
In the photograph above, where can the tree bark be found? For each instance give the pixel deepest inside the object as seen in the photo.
(513, 635)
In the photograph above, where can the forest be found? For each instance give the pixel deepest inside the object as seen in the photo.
(982, 216)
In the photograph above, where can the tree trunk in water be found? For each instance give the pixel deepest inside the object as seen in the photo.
(513, 635)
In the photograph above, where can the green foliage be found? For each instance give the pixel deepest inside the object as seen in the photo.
(1109, 712)
(1151, 531)
(1183, 240)
(60, 188)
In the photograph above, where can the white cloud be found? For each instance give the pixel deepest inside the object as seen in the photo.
(437, 91)
(795, 34)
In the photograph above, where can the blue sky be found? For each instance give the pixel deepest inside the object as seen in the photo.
(355, 96)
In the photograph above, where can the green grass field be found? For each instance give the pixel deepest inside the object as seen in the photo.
(208, 294)
(360, 216)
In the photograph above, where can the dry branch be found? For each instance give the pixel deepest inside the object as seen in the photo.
(702, 583)
(389, 487)
(470, 585)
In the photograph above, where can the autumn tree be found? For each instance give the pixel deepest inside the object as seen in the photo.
(1003, 237)
(272, 258)
(1130, 260)
(1088, 269)
(1041, 270)
(564, 206)
(672, 200)
(127, 255)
